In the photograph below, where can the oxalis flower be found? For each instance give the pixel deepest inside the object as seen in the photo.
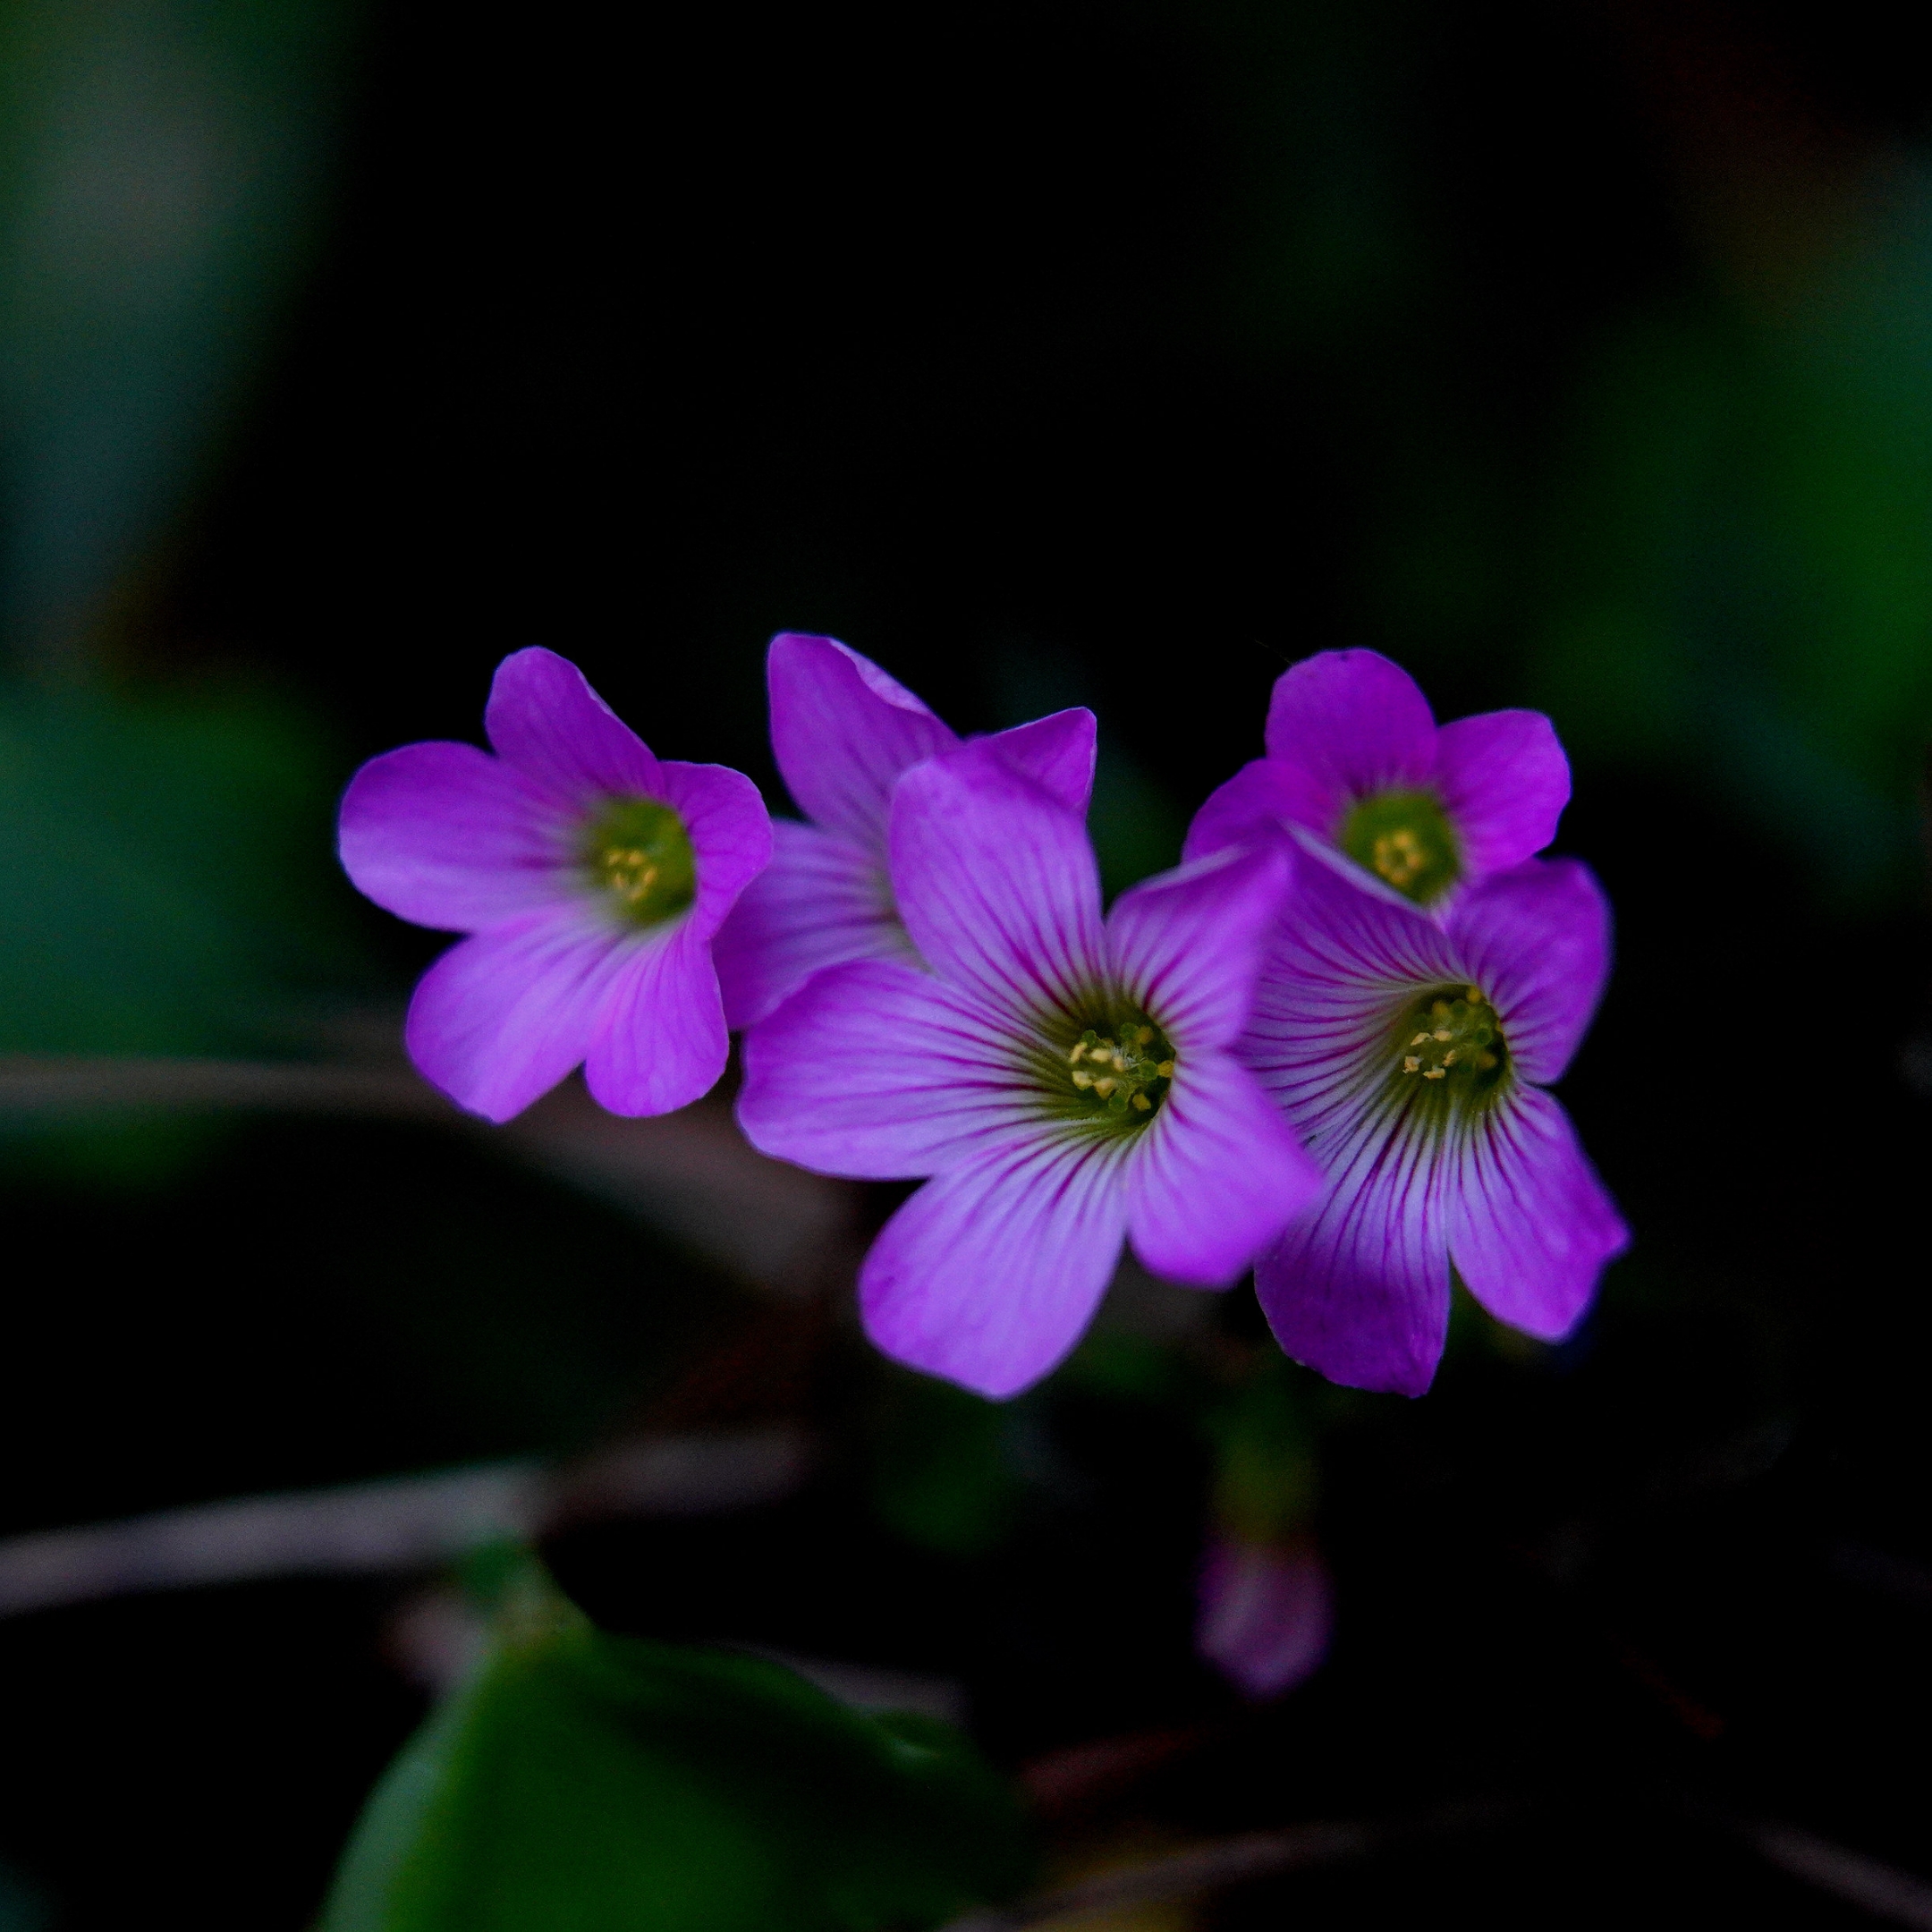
(1355, 757)
(591, 877)
(843, 732)
(1411, 1055)
(1067, 1081)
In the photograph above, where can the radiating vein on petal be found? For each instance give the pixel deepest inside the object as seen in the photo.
(877, 1070)
(990, 1273)
(449, 836)
(996, 881)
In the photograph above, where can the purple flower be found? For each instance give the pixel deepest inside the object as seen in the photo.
(1355, 757)
(842, 732)
(1068, 1082)
(1411, 1056)
(591, 877)
(1267, 1613)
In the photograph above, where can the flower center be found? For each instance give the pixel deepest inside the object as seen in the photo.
(1450, 1041)
(637, 853)
(1405, 838)
(1114, 1073)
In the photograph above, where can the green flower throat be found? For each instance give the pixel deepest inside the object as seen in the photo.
(1449, 1050)
(638, 855)
(1404, 838)
(1113, 1075)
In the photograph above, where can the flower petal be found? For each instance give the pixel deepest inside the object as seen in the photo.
(503, 1015)
(876, 1071)
(544, 718)
(990, 1273)
(1215, 1177)
(1504, 780)
(1339, 962)
(1536, 940)
(996, 881)
(1057, 752)
(1531, 1226)
(821, 902)
(1255, 806)
(1266, 1614)
(1359, 1291)
(729, 829)
(843, 732)
(662, 1043)
(1344, 724)
(1187, 945)
(447, 835)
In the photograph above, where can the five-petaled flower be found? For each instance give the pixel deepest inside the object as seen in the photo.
(1067, 1081)
(842, 732)
(590, 876)
(1356, 759)
(1411, 1055)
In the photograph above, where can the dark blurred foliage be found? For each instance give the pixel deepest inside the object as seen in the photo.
(1048, 354)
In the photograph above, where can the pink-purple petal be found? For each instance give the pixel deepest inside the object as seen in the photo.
(1343, 958)
(876, 1071)
(821, 902)
(996, 881)
(1531, 1226)
(843, 732)
(1504, 780)
(544, 718)
(1215, 1176)
(1186, 946)
(1344, 724)
(990, 1273)
(1358, 1289)
(448, 836)
(1537, 941)
(729, 829)
(1057, 752)
(503, 1015)
(1255, 806)
(661, 1042)
(1266, 1614)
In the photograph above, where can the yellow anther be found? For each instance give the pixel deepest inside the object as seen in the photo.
(1421, 1039)
(1436, 1073)
(1440, 1008)
(1079, 1048)
(1442, 1032)
(1410, 1065)
(1142, 1104)
(1085, 1081)
(1105, 1087)
(1474, 997)
(1484, 1061)
(1165, 1069)
(1448, 1059)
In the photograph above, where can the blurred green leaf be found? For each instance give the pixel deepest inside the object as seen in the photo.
(1265, 1473)
(601, 1784)
(164, 167)
(166, 885)
(941, 1473)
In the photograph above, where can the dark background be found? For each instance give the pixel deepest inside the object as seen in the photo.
(1048, 354)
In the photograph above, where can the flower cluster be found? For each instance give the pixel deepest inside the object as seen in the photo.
(1321, 1049)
